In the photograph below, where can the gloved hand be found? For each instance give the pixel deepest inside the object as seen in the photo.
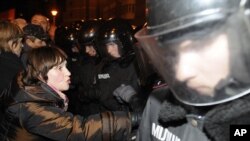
(124, 93)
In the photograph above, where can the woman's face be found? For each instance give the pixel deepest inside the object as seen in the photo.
(59, 77)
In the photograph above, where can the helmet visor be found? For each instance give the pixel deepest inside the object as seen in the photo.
(205, 63)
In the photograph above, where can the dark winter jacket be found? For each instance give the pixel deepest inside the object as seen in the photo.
(37, 115)
(99, 80)
(111, 77)
(10, 66)
(83, 77)
(170, 120)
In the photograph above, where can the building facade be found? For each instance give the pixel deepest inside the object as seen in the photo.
(131, 10)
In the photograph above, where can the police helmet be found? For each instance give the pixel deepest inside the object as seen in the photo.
(88, 32)
(66, 38)
(118, 31)
(201, 48)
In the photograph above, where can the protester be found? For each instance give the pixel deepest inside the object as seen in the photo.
(34, 37)
(20, 22)
(44, 22)
(10, 64)
(39, 110)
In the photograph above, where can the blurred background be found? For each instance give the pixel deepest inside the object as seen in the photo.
(64, 12)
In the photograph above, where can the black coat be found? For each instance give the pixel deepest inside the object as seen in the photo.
(10, 66)
(96, 82)
(111, 77)
(165, 118)
(83, 78)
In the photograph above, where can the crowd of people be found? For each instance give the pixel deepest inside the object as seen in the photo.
(71, 85)
(183, 76)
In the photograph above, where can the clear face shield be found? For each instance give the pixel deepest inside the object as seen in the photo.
(206, 61)
(144, 64)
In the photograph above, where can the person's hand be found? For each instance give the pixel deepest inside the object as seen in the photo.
(124, 93)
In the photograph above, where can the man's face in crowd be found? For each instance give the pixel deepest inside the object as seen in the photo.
(113, 50)
(42, 21)
(89, 49)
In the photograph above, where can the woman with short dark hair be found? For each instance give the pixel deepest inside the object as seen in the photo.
(39, 110)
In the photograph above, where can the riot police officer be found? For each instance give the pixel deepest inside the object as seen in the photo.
(201, 48)
(90, 62)
(66, 39)
(116, 43)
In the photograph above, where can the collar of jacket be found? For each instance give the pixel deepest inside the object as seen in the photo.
(41, 93)
(217, 120)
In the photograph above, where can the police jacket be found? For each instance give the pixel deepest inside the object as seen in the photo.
(84, 78)
(167, 119)
(111, 77)
(37, 115)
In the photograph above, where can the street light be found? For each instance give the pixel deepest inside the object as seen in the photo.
(54, 13)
